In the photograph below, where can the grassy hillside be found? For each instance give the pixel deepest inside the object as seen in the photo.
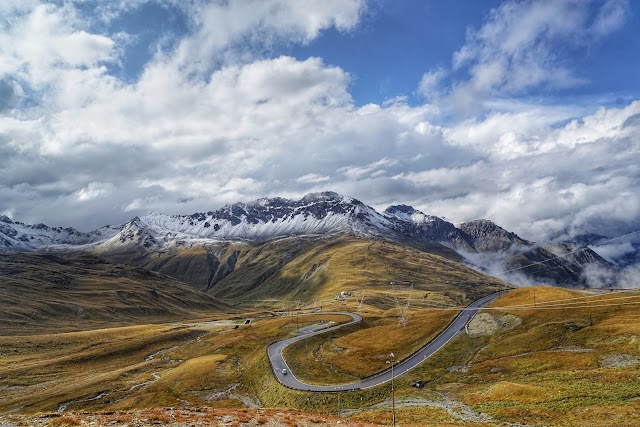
(207, 363)
(528, 365)
(40, 293)
(189, 417)
(307, 269)
(363, 350)
(563, 363)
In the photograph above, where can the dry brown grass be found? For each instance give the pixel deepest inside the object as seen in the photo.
(547, 371)
(41, 293)
(364, 349)
(201, 417)
(513, 392)
(139, 367)
(43, 372)
(65, 420)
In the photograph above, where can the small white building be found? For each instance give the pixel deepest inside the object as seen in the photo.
(343, 295)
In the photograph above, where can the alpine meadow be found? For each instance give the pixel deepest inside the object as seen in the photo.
(312, 213)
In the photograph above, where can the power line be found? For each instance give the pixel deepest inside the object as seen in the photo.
(563, 307)
(572, 252)
(569, 304)
(506, 308)
(576, 298)
(553, 258)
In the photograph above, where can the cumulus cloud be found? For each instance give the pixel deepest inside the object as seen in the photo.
(225, 30)
(217, 118)
(45, 41)
(430, 83)
(521, 47)
(94, 190)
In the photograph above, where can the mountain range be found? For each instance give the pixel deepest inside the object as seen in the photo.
(202, 249)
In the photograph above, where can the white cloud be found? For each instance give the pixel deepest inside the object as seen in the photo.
(429, 85)
(221, 26)
(312, 178)
(517, 49)
(219, 120)
(45, 41)
(358, 172)
(611, 17)
(613, 251)
(94, 190)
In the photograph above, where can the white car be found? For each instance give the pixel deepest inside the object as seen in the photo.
(284, 372)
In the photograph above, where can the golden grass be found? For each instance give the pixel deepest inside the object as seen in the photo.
(65, 420)
(509, 391)
(143, 366)
(43, 293)
(547, 371)
(199, 373)
(364, 349)
(80, 365)
(410, 416)
(354, 265)
(305, 269)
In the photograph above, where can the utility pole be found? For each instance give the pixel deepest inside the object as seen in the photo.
(534, 297)
(339, 407)
(360, 303)
(393, 394)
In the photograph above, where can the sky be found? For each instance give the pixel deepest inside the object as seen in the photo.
(523, 112)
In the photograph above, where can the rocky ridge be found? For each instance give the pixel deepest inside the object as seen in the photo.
(316, 214)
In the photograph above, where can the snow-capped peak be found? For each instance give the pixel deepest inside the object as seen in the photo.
(327, 195)
(408, 213)
(267, 218)
(17, 236)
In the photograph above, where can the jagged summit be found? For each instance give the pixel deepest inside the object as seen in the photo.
(488, 236)
(401, 211)
(317, 205)
(327, 195)
(409, 213)
(269, 218)
(16, 236)
(316, 214)
(260, 220)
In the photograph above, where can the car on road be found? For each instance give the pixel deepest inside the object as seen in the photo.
(284, 372)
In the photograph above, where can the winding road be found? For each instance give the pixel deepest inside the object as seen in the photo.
(289, 380)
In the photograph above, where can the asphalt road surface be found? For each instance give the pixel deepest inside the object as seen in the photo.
(289, 380)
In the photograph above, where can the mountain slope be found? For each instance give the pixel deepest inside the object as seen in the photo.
(486, 236)
(17, 236)
(195, 248)
(266, 219)
(47, 292)
(305, 268)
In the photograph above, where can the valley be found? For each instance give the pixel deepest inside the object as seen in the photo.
(162, 318)
(564, 360)
(308, 213)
